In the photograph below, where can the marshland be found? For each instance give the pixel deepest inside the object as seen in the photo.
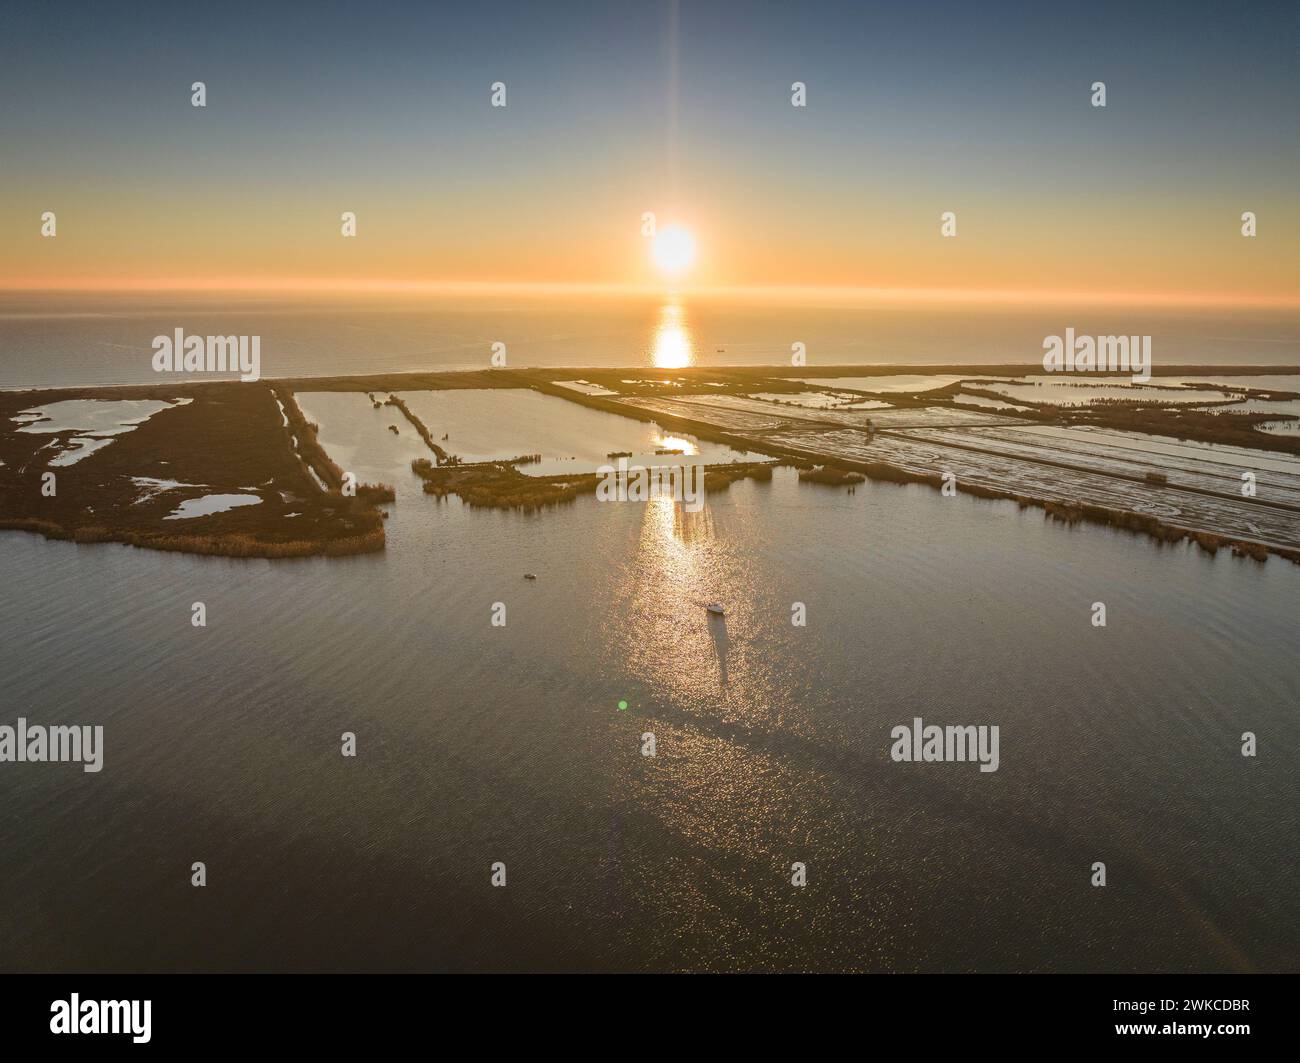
(1169, 462)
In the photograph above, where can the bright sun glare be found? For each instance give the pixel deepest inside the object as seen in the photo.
(674, 249)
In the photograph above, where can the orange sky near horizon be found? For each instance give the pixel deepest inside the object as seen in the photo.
(534, 235)
(1056, 200)
(998, 256)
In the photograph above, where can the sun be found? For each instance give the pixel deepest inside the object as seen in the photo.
(674, 249)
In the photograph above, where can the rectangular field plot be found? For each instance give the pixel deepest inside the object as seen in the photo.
(740, 414)
(1277, 478)
(937, 417)
(1074, 393)
(723, 417)
(375, 445)
(897, 383)
(1237, 518)
(501, 423)
(1109, 440)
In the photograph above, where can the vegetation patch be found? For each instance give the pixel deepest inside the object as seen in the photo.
(499, 485)
(231, 439)
(418, 425)
(828, 474)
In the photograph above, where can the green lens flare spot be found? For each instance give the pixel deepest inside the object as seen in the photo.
(622, 705)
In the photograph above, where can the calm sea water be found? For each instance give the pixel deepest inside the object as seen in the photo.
(48, 339)
(480, 744)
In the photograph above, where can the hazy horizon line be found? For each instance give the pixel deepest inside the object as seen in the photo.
(866, 294)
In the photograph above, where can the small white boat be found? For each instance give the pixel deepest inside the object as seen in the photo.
(716, 609)
(530, 575)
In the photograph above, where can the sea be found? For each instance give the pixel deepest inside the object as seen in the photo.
(84, 339)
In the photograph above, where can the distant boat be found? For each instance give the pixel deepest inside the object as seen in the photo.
(716, 609)
(530, 575)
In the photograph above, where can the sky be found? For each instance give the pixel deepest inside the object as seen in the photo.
(614, 109)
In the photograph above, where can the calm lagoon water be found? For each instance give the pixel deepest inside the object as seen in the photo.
(479, 743)
(95, 422)
(494, 424)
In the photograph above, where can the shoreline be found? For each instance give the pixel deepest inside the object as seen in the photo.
(917, 438)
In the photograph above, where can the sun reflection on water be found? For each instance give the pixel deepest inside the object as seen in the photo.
(672, 340)
(663, 441)
(677, 575)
